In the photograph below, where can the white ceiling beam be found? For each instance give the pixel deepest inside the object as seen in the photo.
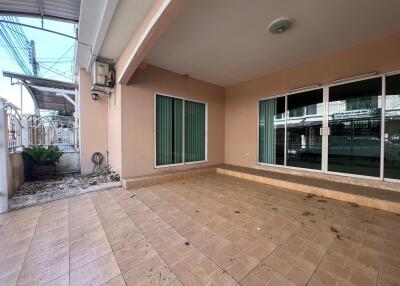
(158, 20)
(108, 12)
(94, 21)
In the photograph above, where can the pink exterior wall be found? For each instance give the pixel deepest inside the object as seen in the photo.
(241, 106)
(114, 129)
(232, 112)
(138, 117)
(93, 123)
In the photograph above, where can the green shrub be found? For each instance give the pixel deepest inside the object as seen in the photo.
(42, 156)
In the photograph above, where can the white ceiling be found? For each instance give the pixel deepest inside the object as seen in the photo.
(126, 20)
(226, 41)
(106, 27)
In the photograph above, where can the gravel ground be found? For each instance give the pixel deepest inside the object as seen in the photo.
(62, 183)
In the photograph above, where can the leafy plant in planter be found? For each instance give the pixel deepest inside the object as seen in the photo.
(42, 160)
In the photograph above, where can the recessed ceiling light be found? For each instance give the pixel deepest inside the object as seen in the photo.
(280, 25)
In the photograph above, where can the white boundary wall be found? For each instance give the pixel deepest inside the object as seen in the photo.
(4, 159)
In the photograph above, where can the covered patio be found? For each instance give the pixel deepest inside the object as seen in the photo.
(255, 145)
(208, 230)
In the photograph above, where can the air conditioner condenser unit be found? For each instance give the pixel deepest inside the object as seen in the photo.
(103, 75)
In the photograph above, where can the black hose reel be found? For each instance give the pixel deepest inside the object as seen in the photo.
(97, 159)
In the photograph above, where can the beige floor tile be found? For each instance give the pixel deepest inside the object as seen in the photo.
(60, 281)
(116, 281)
(209, 230)
(96, 272)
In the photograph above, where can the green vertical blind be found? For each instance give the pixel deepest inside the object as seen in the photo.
(267, 134)
(271, 131)
(180, 131)
(195, 131)
(169, 130)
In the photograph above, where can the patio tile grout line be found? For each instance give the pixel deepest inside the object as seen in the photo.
(145, 239)
(222, 268)
(112, 250)
(90, 260)
(320, 262)
(272, 251)
(30, 243)
(262, 261)
(7, 223)
(263, 258)
(68, 250)
(380, 254)
(55, 278)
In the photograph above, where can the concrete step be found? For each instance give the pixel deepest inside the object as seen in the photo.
(375, 196)
(140, 182)
(379, 198)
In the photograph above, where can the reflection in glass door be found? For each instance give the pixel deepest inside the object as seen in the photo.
(272, 131)
(392, 128)
(304, 122)
(354, 144)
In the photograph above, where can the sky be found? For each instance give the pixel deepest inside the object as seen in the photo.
(49, 48)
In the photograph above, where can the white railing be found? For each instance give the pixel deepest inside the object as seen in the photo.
(56, 130)
(14, 129)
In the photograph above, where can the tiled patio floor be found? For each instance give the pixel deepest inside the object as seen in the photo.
(210, 230)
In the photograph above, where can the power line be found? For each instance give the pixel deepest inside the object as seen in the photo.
(57, 72)
(20, 49)
(54, 61)
(16, 44)
(14, 53)
(38, 28)
(54, 58)
(15, 47)
(61, 57)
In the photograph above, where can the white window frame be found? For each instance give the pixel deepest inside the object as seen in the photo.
(183, 131)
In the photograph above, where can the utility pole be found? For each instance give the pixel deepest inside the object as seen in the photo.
(33, 58)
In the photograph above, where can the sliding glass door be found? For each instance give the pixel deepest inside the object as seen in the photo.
(392, 128)
(344, 128)
(304, 142)
(272, 131)
(354, 144)
(180, 131)
(195, 131)
(169, 118)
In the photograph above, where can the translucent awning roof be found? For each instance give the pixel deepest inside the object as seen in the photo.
(48, 94)
(66, 10)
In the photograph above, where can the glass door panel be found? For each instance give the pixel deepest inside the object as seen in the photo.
(304, 122)
(354, 143)
(272, 131)
(392, 128)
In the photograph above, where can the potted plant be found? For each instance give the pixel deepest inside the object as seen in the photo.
(42, 160)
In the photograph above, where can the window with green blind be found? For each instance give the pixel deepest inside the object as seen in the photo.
(180, 131)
